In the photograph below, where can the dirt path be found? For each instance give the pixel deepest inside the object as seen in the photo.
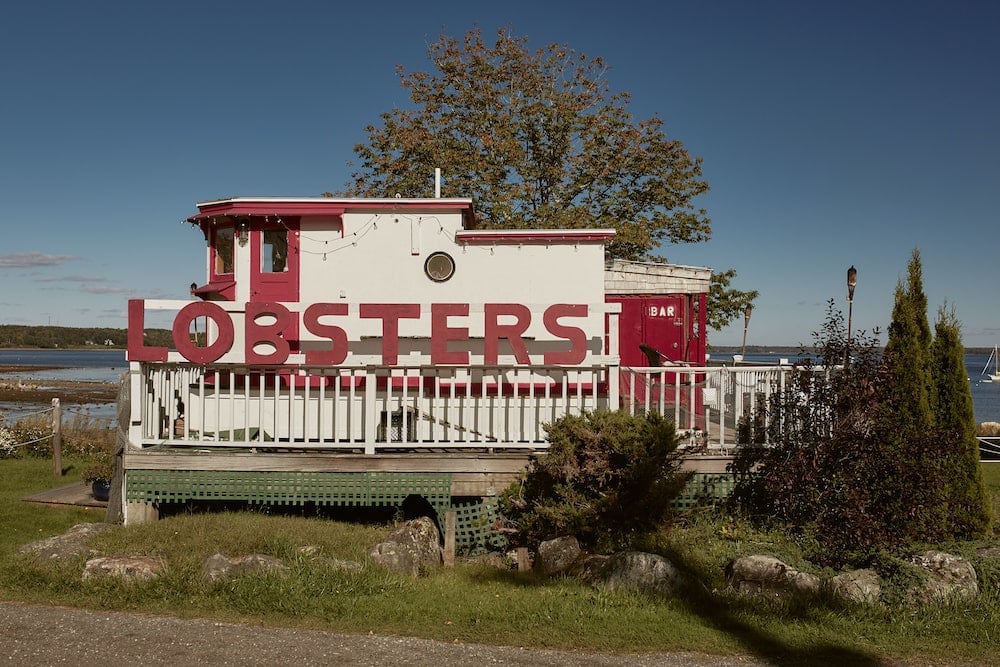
(40, 635)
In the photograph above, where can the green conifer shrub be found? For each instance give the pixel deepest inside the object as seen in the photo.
(605, 476)
(968, 501)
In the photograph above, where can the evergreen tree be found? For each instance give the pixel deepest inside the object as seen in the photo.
(907, 353)
(968, 502)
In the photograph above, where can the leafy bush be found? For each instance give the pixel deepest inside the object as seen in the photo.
(606, 475)
(31, 436)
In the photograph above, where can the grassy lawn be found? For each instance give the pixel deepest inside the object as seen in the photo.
(475, 603)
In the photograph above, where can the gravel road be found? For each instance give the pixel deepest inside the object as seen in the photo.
(40, 635)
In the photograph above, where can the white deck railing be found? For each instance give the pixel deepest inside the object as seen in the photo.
(712, 406)
(368, 409)
(427, 408)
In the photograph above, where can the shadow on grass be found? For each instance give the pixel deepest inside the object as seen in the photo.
(719, 614)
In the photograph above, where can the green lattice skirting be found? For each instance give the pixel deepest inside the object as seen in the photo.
(475, 528)
(475, 522)
(374, 489)
(705, 490)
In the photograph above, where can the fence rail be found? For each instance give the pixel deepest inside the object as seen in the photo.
(414, 408)
(712, 406)
(368, 409)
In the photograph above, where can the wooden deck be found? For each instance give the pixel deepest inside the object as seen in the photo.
(77, 493)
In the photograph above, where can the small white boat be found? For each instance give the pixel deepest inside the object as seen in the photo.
(995, 360)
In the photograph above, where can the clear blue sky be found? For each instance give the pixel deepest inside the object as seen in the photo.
(832, 134)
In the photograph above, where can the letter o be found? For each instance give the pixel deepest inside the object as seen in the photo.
(182, 326)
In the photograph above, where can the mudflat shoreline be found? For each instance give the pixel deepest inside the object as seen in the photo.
(16, 386)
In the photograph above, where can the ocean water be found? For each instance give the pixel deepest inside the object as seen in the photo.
(985, 394)
(74, 365)
(78, 365)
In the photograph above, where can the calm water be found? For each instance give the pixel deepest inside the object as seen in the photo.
(75, 365)
(985, 395)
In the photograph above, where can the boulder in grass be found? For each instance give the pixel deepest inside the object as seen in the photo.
(126, 568)
(558, 556)
(635, 571)
(69, 545)
(857, 586)
(218, 566)
(948, 577)
(412, 547)
(767, 575)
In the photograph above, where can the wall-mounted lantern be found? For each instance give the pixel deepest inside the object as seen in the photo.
(243, 230)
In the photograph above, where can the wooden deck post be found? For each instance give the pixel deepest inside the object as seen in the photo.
(56, 438)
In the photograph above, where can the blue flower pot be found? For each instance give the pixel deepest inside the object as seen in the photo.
(101, 489)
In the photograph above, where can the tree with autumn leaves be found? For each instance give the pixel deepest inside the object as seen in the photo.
(538, 140)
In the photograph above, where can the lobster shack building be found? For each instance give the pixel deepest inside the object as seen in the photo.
(364, 351)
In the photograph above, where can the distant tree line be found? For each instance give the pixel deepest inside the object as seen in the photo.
(49, 337)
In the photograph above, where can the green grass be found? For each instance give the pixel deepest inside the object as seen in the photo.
(991, 479)
(474, 603)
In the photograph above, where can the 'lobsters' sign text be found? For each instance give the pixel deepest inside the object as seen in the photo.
(272, 325)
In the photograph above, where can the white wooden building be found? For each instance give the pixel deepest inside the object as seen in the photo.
(361, 351)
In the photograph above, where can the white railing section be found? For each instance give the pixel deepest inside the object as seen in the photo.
(370, 409)
(423, 408)
(713, 406)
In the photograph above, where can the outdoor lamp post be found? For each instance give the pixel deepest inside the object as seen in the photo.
(852, 280)
(746, 324)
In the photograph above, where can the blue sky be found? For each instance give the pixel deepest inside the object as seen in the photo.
(833, 134)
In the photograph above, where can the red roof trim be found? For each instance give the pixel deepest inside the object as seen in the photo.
(321, 206)
(536, 236)
(224, 288)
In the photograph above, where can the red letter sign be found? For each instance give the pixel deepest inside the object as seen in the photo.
(575, 335)
(338, 352)
(494, 331)
(441, 333)
(268, 334)
(390, 313)
(137, 349)
(182, 325)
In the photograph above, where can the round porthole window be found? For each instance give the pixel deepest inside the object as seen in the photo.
(439, 267)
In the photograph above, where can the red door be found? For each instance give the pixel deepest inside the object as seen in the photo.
(274, 261)
(274, 267)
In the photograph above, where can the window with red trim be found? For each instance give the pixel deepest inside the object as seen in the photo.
(222, 251)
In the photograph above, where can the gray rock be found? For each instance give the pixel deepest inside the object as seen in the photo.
(988, 552)
(948, 576)
(219, 566)
(857, 586)
(413, 546)
(634, 571)
(769, 576)
(557, 556)
(127, 568)
(69, 545)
